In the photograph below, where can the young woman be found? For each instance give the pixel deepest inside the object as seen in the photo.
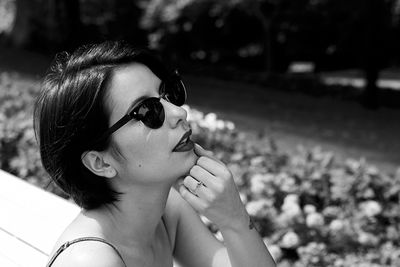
(113, 135)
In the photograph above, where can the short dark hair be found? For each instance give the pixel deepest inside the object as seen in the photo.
(70, 112)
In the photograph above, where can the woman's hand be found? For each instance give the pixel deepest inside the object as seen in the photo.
(210, 190)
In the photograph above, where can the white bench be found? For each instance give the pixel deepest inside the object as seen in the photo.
(31, 220)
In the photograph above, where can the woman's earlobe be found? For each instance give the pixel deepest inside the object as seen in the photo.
(111, 172)
(93, 161)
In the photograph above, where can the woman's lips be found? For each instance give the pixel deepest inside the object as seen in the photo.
(184, 144)
(189, 145)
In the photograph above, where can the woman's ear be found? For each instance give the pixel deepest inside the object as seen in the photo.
(94, 161)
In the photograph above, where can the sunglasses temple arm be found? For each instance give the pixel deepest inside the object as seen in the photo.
(115, 127)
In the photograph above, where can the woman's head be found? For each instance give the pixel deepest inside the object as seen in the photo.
(76, 105)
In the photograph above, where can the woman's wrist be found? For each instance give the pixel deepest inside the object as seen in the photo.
(240, 225)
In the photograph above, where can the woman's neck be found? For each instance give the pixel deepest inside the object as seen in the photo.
(133, 220)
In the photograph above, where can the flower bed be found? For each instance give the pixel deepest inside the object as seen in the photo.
(310, 209)
(19, 152)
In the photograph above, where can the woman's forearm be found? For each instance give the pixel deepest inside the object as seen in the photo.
(210, 189)
(245, 247)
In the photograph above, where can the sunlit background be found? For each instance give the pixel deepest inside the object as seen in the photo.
(300, 98)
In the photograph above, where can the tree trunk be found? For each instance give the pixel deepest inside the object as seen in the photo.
(267, 35)
(375, 17)
(267, 14)
(371, 91)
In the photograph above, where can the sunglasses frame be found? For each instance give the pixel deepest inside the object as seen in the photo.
(132, 113)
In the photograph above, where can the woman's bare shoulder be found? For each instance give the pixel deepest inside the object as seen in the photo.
(82, 253)
(89, 253)
(81, 226)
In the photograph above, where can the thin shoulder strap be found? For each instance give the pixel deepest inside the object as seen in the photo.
(69, 243)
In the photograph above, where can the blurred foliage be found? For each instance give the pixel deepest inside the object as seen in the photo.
(19, 153)
(49, 26)
(254, 34)
(311, 209)
(209, 31)
(7, 14)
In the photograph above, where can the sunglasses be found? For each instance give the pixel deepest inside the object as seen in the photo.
(150, 111)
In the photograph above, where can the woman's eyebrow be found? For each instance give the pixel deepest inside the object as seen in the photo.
(137, 101)
(141, 98)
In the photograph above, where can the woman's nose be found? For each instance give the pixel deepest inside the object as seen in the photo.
(174, 114)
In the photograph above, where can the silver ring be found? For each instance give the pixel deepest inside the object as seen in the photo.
(198, 185)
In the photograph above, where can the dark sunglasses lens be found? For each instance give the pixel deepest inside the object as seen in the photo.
(175, 92)
(151, 113)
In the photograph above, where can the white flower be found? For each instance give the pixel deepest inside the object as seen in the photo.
(257, 187)
(372, 170)
(210, 121)
(290, 240)
(365, 238)
(220, 124)
(331, 211)
(339, 262)
(308, 209)
(266, 177)
(288, 184)
(369, 193)
(371, 208)
(230, 125)
(237, 156)
(285, 182)
(257, 184)
(291, 198)
(257, 160)
(314, 220)
(291, 210)
(290, 206)
(336, 225)
(258, 208)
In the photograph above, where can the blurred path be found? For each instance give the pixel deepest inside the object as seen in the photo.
(336, 125)
(292, 119)
(388, 78)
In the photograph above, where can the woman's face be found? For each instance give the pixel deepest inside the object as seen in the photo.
(141, 154)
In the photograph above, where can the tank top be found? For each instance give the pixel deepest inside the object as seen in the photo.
(82, 239)
(90, 238)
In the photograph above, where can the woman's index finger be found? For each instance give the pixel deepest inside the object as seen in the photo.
(213, 166)
(201, 152)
